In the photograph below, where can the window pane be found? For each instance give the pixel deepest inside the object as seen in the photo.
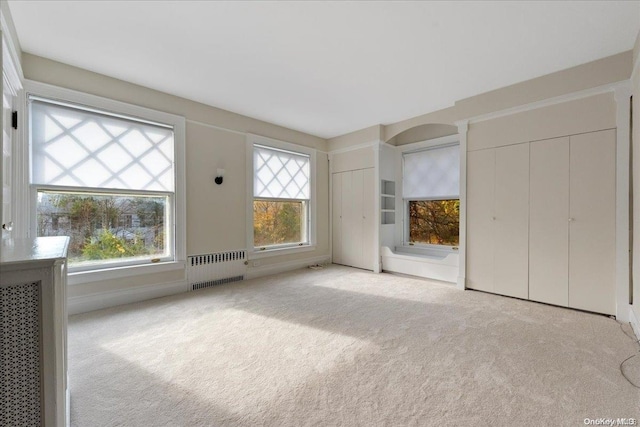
(434, 222)
(278, 223)
(105, 227)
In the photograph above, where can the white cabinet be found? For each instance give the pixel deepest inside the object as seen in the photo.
(33, 309)
(541, 221)
(353, 218)
(497, 220)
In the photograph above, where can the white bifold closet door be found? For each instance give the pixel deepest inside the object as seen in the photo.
(353, 218)
(511, 251)
(572, 228)
(336, 216)
(480, 213)
(549, 222)
(592, 232)
(497, 220)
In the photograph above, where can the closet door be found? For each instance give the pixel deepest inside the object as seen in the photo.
(511, 250)
(368, 222)
(592, 228)
(480, 200)
(336, 216)
(356, 233)
(347, 218)
(548, 222)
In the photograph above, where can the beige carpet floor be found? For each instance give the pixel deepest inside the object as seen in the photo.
(344, 347)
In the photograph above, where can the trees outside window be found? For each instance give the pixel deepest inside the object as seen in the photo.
(104, 226)
(434, 222)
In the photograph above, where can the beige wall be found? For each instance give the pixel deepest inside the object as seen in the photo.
(358, 137)
(635, 138)
(593, 74)
(361, 158)
(568, 118)
(216, 214)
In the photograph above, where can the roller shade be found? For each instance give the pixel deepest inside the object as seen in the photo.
(280, 174)
(74, 147)
(432, 174)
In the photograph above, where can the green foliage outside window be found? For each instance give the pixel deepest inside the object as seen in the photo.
(104, 226)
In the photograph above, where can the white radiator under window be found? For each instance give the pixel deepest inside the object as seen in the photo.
(208, 270)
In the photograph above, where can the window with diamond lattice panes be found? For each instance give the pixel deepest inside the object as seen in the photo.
(105, 180)
(281, 197)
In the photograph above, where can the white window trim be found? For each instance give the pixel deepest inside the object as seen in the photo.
(411, 148)
(119, 108)
(252, 253)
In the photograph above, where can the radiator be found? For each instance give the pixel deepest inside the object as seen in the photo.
(208, 270)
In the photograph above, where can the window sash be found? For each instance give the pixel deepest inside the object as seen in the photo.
(305, 229)
(407, 226)
(169, 226)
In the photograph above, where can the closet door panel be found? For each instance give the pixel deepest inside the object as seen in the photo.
(356, 234)
(347, 228)
(336, 216)
(368, 222)
(548, 221)
(480, 200)
(511, 251)
(592, 229)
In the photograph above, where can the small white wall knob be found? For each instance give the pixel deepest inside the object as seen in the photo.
(570, 219)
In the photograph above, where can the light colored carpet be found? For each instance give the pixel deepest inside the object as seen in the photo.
(344, 347)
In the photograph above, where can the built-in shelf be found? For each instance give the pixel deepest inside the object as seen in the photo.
(388, 188)
(387, 202)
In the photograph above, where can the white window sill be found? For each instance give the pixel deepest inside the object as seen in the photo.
(82, 277)
(427, 249)
(280, 251)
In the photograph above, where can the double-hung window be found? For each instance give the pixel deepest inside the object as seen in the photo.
(282, 191)
(106, 180)
(431, 193)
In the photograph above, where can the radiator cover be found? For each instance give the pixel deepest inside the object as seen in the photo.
(208, 270)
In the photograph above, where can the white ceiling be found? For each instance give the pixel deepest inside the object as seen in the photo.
(325, 68)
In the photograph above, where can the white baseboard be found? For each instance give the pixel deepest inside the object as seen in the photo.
(97, 301)
(635, 322)
(281, 267)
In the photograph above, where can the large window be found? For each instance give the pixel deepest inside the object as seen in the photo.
(282, 197)
(106, 180)
(431, 182)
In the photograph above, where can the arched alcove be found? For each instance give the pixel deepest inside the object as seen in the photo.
(423, 133)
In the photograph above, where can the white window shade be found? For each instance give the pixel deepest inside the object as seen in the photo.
(81, 148)
(280, 174)
(432, 174)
